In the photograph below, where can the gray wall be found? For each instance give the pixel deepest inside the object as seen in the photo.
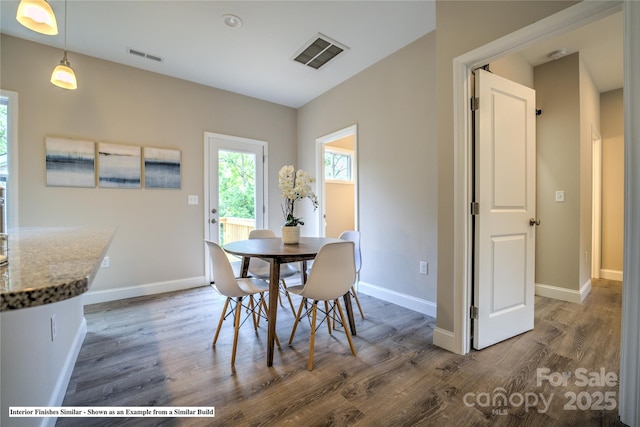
(570, 110)
(393, 104)
(120, 104)
(558, 169)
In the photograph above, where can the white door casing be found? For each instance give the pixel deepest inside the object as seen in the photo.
(504, 273)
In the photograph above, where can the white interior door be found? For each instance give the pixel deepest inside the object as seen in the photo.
(504, 257)
(235, 189)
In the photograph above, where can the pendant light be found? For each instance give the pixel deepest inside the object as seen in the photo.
(38, 16)
(63, 76)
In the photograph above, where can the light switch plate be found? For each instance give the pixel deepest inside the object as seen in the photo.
(193, 199)
(559, 196)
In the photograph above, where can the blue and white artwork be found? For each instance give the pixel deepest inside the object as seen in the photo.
(70, 163)
(119, 166)
(161, 168)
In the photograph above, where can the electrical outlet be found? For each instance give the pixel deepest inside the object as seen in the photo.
(105, 262)
(424, 267)
(54, 327)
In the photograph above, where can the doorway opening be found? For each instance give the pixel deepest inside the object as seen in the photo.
(337, 182)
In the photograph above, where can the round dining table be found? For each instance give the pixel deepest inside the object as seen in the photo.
(277, 253)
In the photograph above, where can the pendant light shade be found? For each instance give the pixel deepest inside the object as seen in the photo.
(63, 75)
(38, 16)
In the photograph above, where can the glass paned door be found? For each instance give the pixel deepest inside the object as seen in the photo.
(235, 199)
(236, 195)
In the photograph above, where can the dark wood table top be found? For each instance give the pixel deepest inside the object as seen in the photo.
(274, 248)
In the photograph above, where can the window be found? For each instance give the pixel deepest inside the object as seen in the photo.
(337, 165)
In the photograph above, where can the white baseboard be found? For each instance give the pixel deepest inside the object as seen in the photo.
(611, 275)
(104, 295)
(564, 294)
(403, 300)
(64, 376)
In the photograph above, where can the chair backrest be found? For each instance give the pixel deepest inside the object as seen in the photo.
(333, 272)
(354, 236)
(223, 277)
(257, 264)
(261, 234)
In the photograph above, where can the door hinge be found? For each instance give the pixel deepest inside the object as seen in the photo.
(475, 208)
(473, 312)
(475, 104)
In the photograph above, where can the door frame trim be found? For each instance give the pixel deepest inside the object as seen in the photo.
(12, 137)
(205, 202)
(596, 203)
(561, 22)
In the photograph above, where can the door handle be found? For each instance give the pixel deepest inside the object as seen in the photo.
(533, 221)
(213, 221)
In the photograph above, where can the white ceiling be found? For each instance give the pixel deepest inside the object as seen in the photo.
(254, 60)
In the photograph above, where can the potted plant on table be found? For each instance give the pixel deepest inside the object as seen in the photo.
(294, 185)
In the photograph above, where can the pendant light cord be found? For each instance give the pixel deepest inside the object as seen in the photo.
(65, 29)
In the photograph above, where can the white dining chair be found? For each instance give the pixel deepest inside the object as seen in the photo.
(236, 290)
(331, 276)
(354, 236)
(261, 269)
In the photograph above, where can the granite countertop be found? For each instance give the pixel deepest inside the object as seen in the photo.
(48, 265)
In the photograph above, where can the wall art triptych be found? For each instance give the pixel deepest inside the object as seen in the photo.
(73, 163)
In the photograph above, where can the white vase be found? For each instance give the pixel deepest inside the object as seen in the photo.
(290, 235)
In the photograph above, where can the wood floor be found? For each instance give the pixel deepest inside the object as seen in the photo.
(156, 351)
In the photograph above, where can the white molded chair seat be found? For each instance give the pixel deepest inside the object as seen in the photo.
(262, 269)
(236, 289)
(331, 276)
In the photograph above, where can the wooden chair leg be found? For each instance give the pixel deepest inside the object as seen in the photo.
(312, 339)
(355, 296)
(224, 312)
(284, 285)
(346, 329)
(295, 322)
(258, 315)
(252, 304)
(326, 310)
(280, 298)
(237, 330)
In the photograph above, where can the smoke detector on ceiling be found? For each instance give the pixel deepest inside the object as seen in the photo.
(319, 50)
(232, 21)
(557, 54)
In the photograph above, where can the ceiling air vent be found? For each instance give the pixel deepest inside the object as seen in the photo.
(144, 55)
(318, 51)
